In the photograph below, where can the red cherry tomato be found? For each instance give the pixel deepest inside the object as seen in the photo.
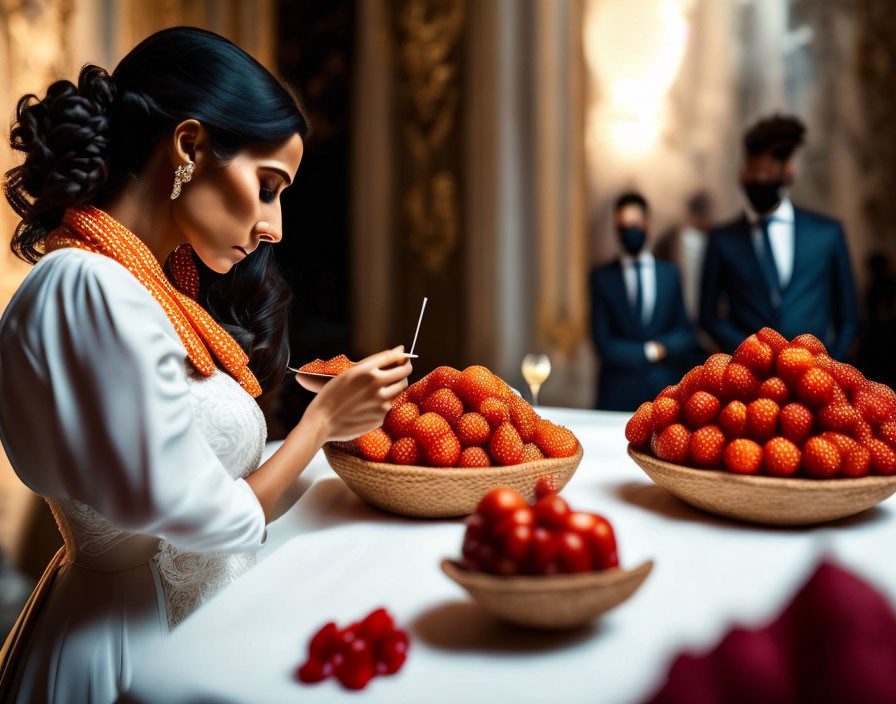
(312, 671)
(391, 652)
(485, 558)
(551, 512)
(499, 503)
(377, 623)
(580, 522)
(519, 517)
(601, 543)
(574, 555)
(516, 542)
(325, 643)
(507, 566)
(545, 548)
(476, 526)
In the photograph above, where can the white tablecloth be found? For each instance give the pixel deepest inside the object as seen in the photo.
(331, 557)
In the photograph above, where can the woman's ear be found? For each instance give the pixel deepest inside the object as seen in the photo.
(190, 144)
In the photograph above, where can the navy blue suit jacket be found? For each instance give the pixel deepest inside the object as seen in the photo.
(627, 378)
(819, 299)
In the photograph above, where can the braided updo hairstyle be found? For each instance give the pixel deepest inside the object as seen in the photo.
(83, 143)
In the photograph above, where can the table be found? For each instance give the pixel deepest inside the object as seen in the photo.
(332, 557)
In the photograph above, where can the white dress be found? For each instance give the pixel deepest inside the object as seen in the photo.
(142, 462)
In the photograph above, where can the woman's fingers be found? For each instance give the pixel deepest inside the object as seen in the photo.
(313, 384)
(383, 359)
(390, 376)
(392, 390)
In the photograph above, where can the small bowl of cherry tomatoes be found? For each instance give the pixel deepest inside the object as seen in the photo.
(543, 566)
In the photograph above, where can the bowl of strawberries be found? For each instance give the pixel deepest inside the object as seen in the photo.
(778, 433)
(543, 565)
(448, 440)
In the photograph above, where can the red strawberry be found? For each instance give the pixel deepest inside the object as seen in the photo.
(495, 411)
(375, 445)
(522, 416)
(838, 395)
(714, 374)
(814, 387)
(428, 428)
(887, 433)
(474, 457)
(400, 419)
(875, 405)
(443, 378)
(740, 383)
(473, 429)
(856, 462)
(690, 383)
(444, 402)
(701, 409)
(733, 419)
(707, 446)
(821, 458)
(477, 384)
(743, 456)
(773, 339)
(404, 451)
(444, 451)
(506, 447)
(781, 457)
(665, 412)
(762, 419)
(796, 422)
(847, 376)
(554, 440)
(809, 342)
(673, 444)
(640, 425)
(672, 392)
(531, 453)
(840, 417)
(862, 432)
(402, 398)
(825, 362)
(754, 354)
(419, 390)
(792, 363)
(775, 389)
(883, 457)
(842, 442)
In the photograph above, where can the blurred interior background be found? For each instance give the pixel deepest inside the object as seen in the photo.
(470, 151)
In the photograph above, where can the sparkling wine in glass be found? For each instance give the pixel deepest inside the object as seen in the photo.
(536, 370)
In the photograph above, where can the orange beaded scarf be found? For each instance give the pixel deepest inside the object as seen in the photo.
(93, 230)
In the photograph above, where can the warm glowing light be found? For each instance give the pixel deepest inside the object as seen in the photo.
(634, 51)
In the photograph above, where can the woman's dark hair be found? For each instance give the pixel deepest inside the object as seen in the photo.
(82, 143)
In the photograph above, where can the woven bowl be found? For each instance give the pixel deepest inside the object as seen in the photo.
(442, 492)
(552, 602)
(774, 501)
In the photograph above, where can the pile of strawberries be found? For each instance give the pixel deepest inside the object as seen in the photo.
(506, 536)
(462, 419)
(775, 407)
(356, 653)
(330, 367)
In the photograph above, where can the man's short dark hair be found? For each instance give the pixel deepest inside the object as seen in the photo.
(631, 198)
(778, 135)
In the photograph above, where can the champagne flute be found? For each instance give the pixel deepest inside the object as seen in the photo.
(536, 369)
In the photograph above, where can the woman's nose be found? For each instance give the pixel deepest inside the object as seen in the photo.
(268, 233)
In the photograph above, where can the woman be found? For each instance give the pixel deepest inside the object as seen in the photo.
(123, 401)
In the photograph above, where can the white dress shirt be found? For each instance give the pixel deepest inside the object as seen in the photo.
(780, 235)
(648, 291)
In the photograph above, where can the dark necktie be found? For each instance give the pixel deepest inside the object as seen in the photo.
(639, 293)
(769, 268)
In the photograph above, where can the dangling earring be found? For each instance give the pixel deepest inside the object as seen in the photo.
(182, 174)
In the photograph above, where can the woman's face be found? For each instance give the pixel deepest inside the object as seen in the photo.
(228, 209)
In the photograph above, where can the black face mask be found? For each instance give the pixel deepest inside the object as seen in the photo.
(763, 195)
(632, 239)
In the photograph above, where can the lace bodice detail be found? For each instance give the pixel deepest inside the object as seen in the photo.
(235, 428)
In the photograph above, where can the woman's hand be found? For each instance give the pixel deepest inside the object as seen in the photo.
(357, 400)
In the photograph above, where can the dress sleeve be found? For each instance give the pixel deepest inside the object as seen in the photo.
(95, 407)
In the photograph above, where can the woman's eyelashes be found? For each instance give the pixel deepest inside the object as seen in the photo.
(267, 195)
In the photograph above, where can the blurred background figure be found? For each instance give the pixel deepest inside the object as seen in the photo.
(689, 248)
(879, 332)
(638, 320)
(777, 265)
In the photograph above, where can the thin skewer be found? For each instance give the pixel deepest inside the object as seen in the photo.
(417, 332)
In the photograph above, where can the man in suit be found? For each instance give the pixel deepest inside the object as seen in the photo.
(640, 327)
(777, 265)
